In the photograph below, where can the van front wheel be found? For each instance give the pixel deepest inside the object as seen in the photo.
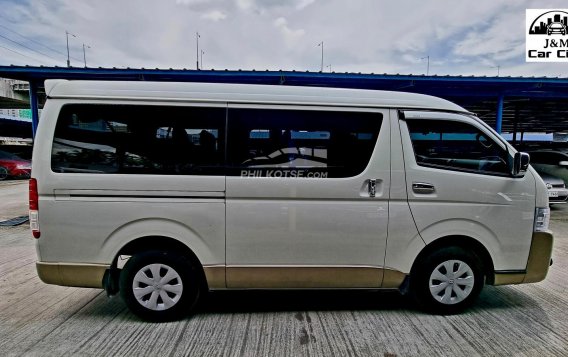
(159, 285)
(447, 281)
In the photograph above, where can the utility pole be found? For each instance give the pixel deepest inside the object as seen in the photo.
(202, 53)
(329, 66)
(67, 33)
(84, 54)
(321, 44)
(197, 41)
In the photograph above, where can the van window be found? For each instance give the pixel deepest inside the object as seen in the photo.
(453, 145)
(300, 143)
(128, 139)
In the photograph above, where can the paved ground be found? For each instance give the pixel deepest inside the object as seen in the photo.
(40, 319)
(13, 199)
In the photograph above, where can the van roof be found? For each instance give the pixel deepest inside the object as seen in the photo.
(242, 93)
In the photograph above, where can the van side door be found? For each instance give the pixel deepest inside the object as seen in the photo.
(307, 196)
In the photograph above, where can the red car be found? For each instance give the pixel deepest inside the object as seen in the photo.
(13, 166)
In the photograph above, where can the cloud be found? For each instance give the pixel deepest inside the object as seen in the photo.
(192, 2)
(290, 36)
(303, 3)
(264, 6)
(360, 36)
(214, 15)
(245, 4)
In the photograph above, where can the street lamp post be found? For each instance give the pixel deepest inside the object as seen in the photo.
(321, 44)
(197, 41)
(427, 64)
(84, 54)
(67, 33)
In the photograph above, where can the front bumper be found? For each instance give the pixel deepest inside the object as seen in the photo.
(538, 263)
(78, 275)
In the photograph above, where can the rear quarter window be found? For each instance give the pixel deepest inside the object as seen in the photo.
(128, 139)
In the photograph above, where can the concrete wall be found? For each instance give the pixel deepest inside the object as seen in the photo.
(7, 91)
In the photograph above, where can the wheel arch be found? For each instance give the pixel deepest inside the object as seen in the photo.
(149, 243)
(463, 242)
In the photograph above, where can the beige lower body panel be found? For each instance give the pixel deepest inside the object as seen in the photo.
(537, 264)
(301, 277)
(66, 274)
(215, 276)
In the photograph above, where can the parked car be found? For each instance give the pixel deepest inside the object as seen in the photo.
(551, 162)
(13, 166)
(557, 192)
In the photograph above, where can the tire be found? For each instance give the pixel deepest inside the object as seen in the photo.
(437, 288)
(3, 173)
(156, 299)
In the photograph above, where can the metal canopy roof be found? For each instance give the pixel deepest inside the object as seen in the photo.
(533, 103)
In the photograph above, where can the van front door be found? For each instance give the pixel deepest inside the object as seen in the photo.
(307, 197)
(459, 186)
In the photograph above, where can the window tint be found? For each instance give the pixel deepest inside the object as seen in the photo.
(455, 145)
(300, 143)
(139, 140)
(546, 157)
(8, 156)
(554, 158)
(537, 157)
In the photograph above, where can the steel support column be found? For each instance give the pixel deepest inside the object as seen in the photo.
(499, 119)
(515, 125)
(34, 107)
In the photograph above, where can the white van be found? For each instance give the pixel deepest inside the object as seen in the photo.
(164, 191)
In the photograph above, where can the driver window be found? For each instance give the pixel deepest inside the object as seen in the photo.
(453, 145)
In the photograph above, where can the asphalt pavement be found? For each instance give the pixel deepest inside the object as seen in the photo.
(45, 320)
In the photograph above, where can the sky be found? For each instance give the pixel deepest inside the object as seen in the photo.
(478, 37)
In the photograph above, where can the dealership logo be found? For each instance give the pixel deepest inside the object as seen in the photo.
(547, 35)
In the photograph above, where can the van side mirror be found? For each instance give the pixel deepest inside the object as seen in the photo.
(563, 163)
(520, 164)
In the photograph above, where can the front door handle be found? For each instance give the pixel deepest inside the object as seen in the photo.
(423, 188)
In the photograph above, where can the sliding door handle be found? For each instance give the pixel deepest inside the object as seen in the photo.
(372, 187)
(423, 188)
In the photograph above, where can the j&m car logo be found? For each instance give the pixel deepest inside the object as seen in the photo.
(547, 35)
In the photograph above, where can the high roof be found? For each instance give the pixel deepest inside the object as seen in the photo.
(243, 93)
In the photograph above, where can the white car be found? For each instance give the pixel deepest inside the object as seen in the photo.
(557, 192)
(551, 162)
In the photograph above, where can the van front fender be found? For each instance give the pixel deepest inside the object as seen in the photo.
(464, 228)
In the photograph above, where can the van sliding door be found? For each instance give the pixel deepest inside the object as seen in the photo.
(307, 197)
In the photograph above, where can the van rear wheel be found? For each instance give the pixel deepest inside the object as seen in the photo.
(447, 281)
(159, 285)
